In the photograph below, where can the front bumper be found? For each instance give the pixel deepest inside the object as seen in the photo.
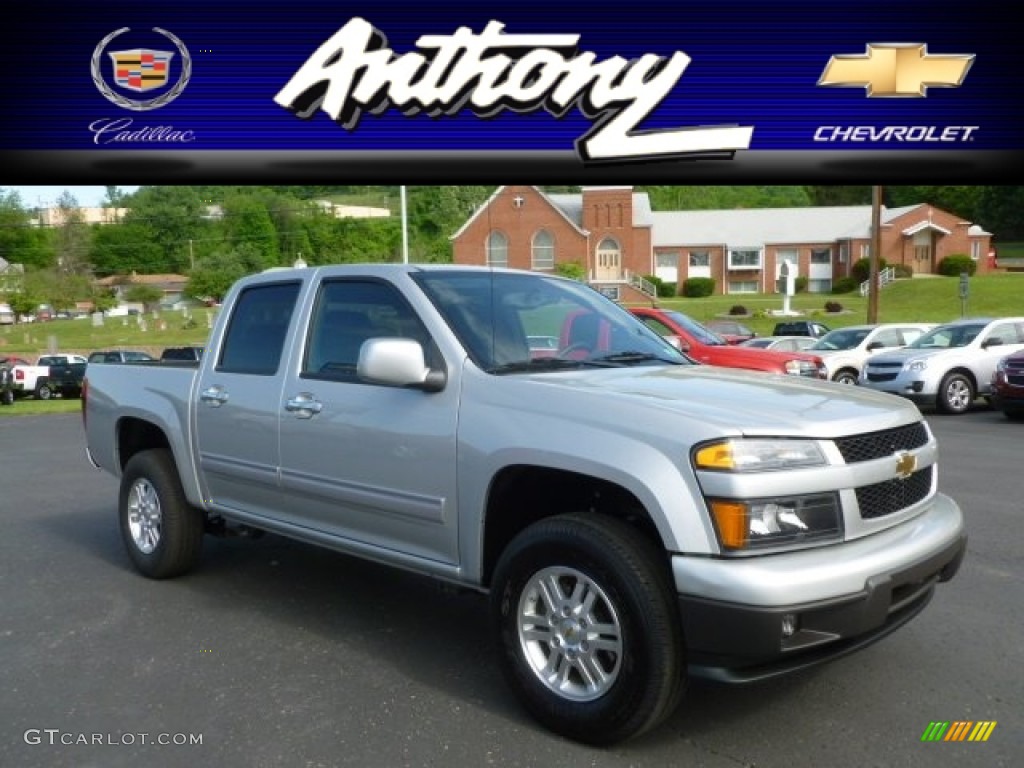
(834, 599)
(917, 389)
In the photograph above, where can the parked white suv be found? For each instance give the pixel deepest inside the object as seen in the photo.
(950, 365)
(845, 350)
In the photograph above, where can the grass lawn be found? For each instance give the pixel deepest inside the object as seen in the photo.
(924, 300)
(934, 299)
(27, 406)
(152, 335)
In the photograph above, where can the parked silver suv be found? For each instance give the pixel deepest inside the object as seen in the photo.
(846, 350)
(950, 366)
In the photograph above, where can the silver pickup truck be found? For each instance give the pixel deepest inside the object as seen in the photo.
(634, 518)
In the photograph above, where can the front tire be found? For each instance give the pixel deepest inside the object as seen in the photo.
(846, 376)
(589, 633)
(956, 393)
(162, 532)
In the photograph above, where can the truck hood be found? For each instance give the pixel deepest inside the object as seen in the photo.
(755, 358)
(727, 401)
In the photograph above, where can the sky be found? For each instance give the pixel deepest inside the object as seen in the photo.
(46, 197)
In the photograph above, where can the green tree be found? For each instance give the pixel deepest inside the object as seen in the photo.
(999, 211)
(20, 241)
(247, 223)
(435, 214)
(73, 237)
(141, 293)
(215, 274)
(173, 216)
(23, 303)
(132, 246)
(840, 195)
(693, 198)
(103, 299)
(964, 201)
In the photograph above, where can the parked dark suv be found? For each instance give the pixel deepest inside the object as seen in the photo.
(801, 328)
(1008, 386)
(120, 356)
(190, 353)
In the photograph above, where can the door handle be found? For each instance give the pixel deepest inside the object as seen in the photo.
(215, 396)
(304, 405)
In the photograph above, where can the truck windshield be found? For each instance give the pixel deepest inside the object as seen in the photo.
(499, 317)
(948, 336)
(698, 331)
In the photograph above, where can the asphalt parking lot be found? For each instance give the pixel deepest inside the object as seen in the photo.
(277, 654)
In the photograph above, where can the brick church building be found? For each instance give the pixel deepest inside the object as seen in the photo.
(617, 240)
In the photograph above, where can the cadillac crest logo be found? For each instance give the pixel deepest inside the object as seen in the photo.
(140, 70)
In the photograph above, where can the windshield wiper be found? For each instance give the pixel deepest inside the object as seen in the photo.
(539, 364)
(628, 357)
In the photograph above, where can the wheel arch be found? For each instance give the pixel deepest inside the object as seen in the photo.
(963, 370)
(522, 495)
(846, 369)
(135, 435)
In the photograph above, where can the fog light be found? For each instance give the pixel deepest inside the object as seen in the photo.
(789, 624)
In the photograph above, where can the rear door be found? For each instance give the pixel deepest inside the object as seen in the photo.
(368, 463)
(239, 402)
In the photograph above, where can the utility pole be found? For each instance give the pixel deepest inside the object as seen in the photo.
(876, 247)
(405, 230)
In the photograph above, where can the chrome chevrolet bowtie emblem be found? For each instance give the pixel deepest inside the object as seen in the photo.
(906, 463)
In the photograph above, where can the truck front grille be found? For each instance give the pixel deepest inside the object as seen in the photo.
(890, 496)
(1015, 372)
(877, 445)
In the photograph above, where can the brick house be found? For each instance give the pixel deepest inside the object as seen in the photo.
(171, 286)
(606, 230)
(617, 239)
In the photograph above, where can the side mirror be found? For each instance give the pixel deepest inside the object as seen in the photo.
(875, 345)
(678, 343)
(398, 362)
(993, 342)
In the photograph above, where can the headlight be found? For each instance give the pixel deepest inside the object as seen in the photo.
(758, 455)
(804, 368)
(1001, 366)
(917, 365)
(745, 526)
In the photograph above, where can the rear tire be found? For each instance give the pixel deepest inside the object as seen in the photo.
(587, 622)
(162, 532)
(43, 391)
(956, 394)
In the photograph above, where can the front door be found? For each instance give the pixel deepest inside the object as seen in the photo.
(368, 464)
(609, 260)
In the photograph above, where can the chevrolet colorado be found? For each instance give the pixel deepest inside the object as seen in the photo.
(634, 518)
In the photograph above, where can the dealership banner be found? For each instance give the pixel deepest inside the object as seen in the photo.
(720, 91)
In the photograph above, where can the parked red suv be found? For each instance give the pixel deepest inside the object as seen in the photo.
(1008, 386)
(706, 347)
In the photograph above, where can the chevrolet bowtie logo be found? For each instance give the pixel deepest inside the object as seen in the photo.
(896, 69)
(906, 463)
